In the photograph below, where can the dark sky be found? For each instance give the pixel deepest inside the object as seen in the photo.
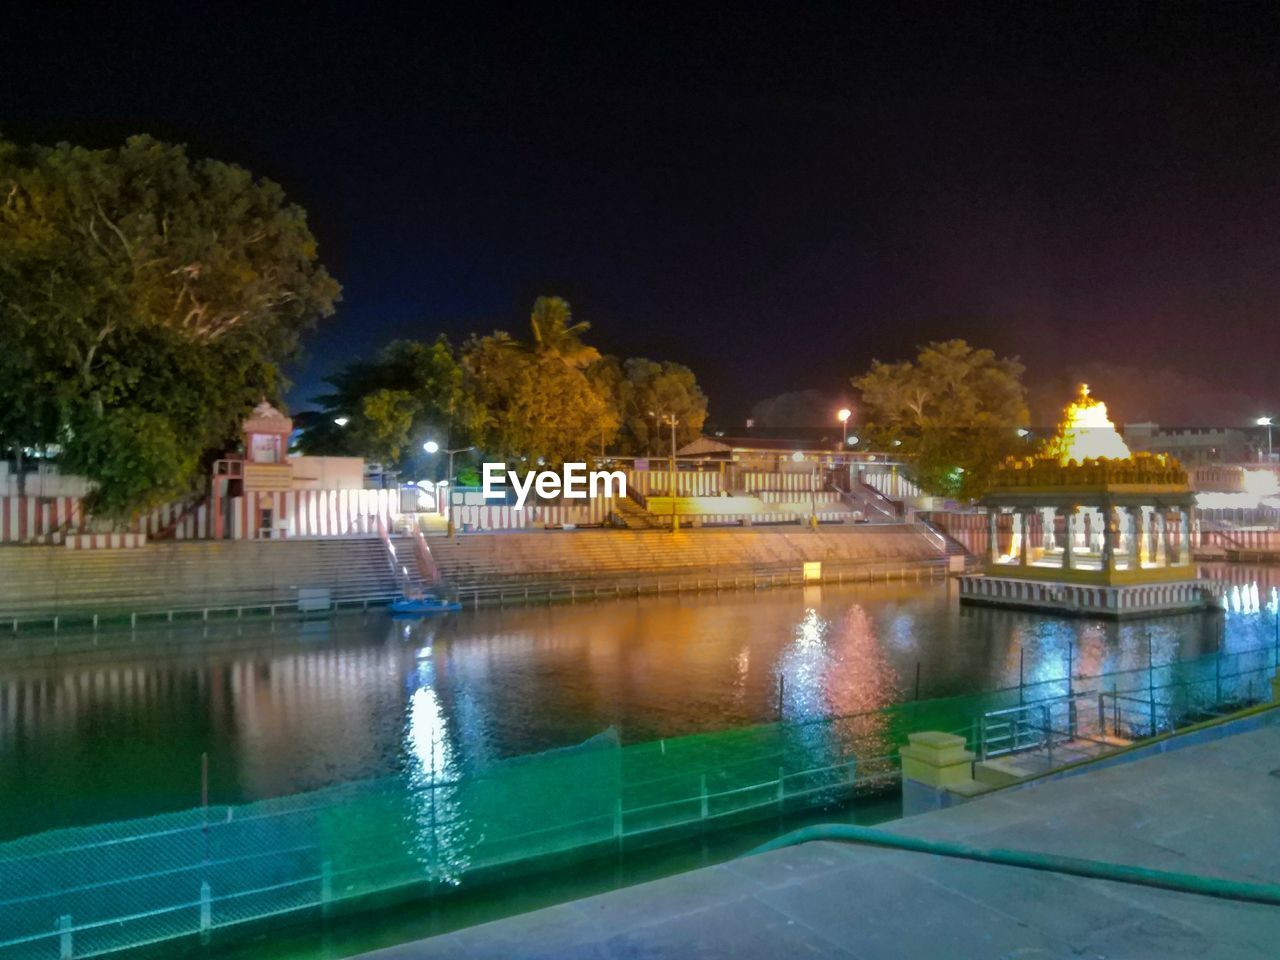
(773, 194)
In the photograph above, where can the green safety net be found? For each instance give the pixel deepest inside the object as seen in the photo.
(87, 891)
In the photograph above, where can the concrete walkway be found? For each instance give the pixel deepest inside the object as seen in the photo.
(1212, 809)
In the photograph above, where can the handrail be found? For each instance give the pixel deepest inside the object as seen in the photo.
(1265, 893)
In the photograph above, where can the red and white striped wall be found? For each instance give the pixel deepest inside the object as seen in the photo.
(189, 521)
(787, 496)
(36, 519)
(105, 541)
(689, 483)
(312, 513)
(762, 480)
(505, 517)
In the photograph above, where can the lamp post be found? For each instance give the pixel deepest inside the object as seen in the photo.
(1266, 422)
(843, 416)
(432, 447)
(671, 420)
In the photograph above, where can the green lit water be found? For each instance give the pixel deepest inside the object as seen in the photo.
(112, 726)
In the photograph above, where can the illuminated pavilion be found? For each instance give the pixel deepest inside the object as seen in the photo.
(1087, 527)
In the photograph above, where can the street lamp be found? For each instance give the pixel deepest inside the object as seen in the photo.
(670, 418)
(342, 421)
(843, 416)
(1266, 422)
(432, 447)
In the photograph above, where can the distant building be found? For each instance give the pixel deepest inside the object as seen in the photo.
(1191, 445)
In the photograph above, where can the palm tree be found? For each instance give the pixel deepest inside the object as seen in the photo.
(555, 334)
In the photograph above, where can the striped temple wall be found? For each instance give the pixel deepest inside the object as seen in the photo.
(757, 481)
(312, 513)
(784, 496)
(1239, 539)
(480, 516)
(689, 483)
(291, 513)
(891, 484)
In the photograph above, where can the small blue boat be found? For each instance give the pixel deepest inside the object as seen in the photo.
(421, 606)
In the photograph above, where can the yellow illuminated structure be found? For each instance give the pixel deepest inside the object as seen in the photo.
(1086, 526)
(1087, 433)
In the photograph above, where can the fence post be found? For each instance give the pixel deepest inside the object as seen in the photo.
(1048, 730)
(66, 947)
(704, 796)
(617, 821)
(781, 789)
(1151, 684)
(1021, 654)
(1102, 713)
(206, 908)
(782, 679)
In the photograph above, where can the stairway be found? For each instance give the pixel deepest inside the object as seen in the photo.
(194, 575)
(636, 517)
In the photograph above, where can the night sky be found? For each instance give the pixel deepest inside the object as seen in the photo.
(772, 194)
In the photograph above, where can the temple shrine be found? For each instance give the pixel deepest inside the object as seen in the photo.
(1088, 527)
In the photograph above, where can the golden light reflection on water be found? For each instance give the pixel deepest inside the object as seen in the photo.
(116, 726)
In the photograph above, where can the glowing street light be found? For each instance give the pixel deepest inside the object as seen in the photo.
(1266, 422)
(342, 421)
(432, 447)
(843, 416)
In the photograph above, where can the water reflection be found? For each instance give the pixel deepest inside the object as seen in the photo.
(115, 726)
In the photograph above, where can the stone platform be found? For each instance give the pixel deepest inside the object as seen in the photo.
(1095, 600)
(1209, 809)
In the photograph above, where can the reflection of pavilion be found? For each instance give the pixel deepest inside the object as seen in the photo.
(1089, 527)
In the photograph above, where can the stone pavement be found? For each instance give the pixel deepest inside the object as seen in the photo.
(1212, 809)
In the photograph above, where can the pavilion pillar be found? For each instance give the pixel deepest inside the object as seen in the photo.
(1069, 536)
(1144, 537)
(1048, 522)
(1159, 517)
(993, 528)
(1184, 536)
(1024, 536)
(1108, 538)
(1136, 544)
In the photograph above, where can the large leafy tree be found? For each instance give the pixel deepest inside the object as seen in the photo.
(412, 391)
(143, 291)
(648, 393)
(536, 408)
(954, 409)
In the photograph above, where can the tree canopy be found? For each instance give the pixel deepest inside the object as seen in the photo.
(545, 400)
(143, 291)
(411, 391)
(650, 392)
(955, 409)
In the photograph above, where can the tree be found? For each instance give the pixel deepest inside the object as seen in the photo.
(137, 284)
(534, 407)
(955, 410)
(556, 335)
(412, 391)
(649, 392)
